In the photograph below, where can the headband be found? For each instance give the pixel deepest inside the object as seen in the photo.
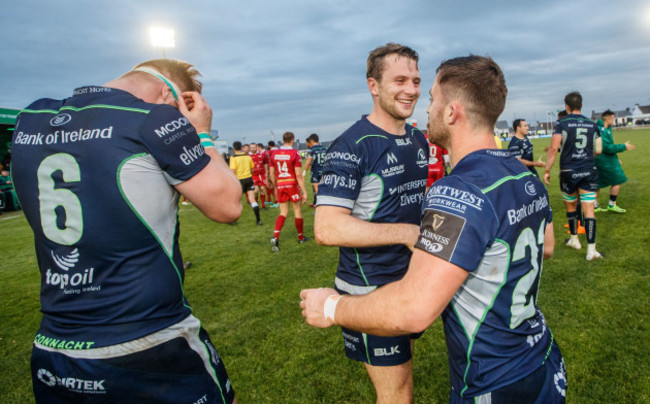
(173, 87)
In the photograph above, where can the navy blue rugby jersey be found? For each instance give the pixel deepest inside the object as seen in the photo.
(95, 175)
(489, 217)
(523, 149)
(381, 178)
(317, 153)
(578, 136)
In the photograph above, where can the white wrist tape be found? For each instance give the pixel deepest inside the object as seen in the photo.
(329, 309)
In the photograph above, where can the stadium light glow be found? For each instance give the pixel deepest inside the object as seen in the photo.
(162, 38)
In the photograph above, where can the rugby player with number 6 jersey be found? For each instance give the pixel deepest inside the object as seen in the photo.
(99, 176)
(485, 230)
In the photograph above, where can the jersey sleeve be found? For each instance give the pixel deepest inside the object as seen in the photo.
(458, 223)
(173, 142)
(340, 182)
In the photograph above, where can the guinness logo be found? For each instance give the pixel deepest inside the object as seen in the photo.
(437, 221)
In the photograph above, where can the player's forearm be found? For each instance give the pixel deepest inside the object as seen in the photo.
(550, 159)
(348, 231)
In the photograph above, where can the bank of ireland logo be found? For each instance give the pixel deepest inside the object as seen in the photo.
(60, 119)
(530, 188)
(46, 377)
(67, 260)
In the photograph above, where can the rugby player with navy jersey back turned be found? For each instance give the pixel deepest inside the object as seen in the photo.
(369, 199)
(99, 175)
(485, 230)
(580, 140)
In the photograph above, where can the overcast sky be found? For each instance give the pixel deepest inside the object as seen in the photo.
(300, 65)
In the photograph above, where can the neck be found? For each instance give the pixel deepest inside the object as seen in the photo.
(519, 135)
(468, 140)
(383, 120)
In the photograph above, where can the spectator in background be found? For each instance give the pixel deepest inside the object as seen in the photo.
(9, 199)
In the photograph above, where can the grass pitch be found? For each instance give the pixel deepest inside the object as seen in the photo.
(247, 298)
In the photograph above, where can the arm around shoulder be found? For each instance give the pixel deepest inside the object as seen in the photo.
(215, 190)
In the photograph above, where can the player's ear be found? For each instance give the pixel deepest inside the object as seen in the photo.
(452, 113)
(372, 86)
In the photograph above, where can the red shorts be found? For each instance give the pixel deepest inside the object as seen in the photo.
(289, 194)
(435, 176)
(259, 180)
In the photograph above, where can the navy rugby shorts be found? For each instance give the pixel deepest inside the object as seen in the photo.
(571, 181)
(372, 349)
(316, 176)
(176, 365)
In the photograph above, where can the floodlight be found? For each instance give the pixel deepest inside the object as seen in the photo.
(162, 38)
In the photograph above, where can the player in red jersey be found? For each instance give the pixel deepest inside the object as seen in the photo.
(438, 162)
(260, 170)
(286, 176)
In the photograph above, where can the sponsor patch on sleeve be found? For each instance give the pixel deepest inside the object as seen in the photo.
(439, 233)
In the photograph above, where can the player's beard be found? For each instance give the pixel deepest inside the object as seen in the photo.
(438, 132)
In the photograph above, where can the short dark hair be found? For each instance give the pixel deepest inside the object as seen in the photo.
(313, 138)
(287, 137)
(260, 145)
(236, 145)
(574, 101)
(479, 82)
(375, 62)
(607, 113)
(517, 123)
(271, 143)
(562, 114)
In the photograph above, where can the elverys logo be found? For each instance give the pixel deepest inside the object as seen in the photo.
(60, 119)
(46, 377)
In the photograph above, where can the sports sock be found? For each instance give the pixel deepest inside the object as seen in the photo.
(572, 217)
(579, 214)
(256, 209)
(263, 198)
(299, 223)
(279, 223)
(314, 199)
(590, 229)
(612, 200)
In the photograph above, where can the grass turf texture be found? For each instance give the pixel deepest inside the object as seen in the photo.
(247, 298)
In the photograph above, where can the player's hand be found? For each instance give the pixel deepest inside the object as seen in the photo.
(304, 198)
(197, 110)
(629, 146)
(547, 178)
(312, 303)
(540, 162)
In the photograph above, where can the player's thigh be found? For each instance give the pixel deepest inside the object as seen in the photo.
(177, 371)
(390, 379)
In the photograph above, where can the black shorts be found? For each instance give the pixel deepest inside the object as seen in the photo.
(572, 180)
(176, 365)
(247, 184)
